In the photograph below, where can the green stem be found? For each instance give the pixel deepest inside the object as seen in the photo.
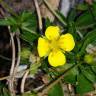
(53, 11)
(85, 27)
(45, 89)
(27, 29)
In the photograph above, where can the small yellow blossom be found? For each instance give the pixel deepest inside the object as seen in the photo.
(53, 45)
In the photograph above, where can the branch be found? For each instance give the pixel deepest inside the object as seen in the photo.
(4, 78)
(54, 13)
(39, 14)
(11, 86)
(23, 81)
(45, 89)
(18, 58)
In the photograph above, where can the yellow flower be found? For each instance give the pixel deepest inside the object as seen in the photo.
(54, 46)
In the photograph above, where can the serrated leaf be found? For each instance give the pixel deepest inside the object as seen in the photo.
(71, 15)
(83, 85)
(85, 20)
(8, 21)
(28, 20)
(87, 72)
(93, 69)
(4, 22)
(34, 68)
(25, 16)
(89, 38)
(56, 90)
(72, 30)
(28, 36)
(71, 76)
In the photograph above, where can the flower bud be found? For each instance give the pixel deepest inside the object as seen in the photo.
(89, 58)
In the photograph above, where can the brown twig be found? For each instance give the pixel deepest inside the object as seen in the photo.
(11, 85)
(4, 78)
(23, 81)
(39, 14)
(18, 58)
(54, 13)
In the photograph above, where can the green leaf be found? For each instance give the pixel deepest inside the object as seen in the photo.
(28, 20)
(93, 69)
(71, 15)
(34, 68)
(94, 6)
(72, 30)
(86, 20)
(4, 22)
(8, 21)
(48, 22)
(89, 38)
(83, 85)
(25, 16)
(6, 92)
(62, 19)
(28, 37)
(56, 90)
(87, 72)
(71, 76)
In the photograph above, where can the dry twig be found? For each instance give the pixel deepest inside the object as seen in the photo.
(11, 85)
(18, 58)
(54, 13)
(39, 14)
(23, 81)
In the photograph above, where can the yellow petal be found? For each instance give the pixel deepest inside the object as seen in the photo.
(66, 42)
(43, 47)
(52, 32)
(56, 58)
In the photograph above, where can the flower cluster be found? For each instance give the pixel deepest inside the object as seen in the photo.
(54, 46)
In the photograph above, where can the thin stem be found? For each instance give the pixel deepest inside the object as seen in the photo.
(5, 58)
(39, 14)
(13, 54)
(23, 81)
(11, 85)
(45, 89)
(4, 78)
(37, 64)
(86, 27)
(18, 58)
(27, 29)
(79, 33)
(54, 13)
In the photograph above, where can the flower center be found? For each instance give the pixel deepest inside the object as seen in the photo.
(54, 45)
